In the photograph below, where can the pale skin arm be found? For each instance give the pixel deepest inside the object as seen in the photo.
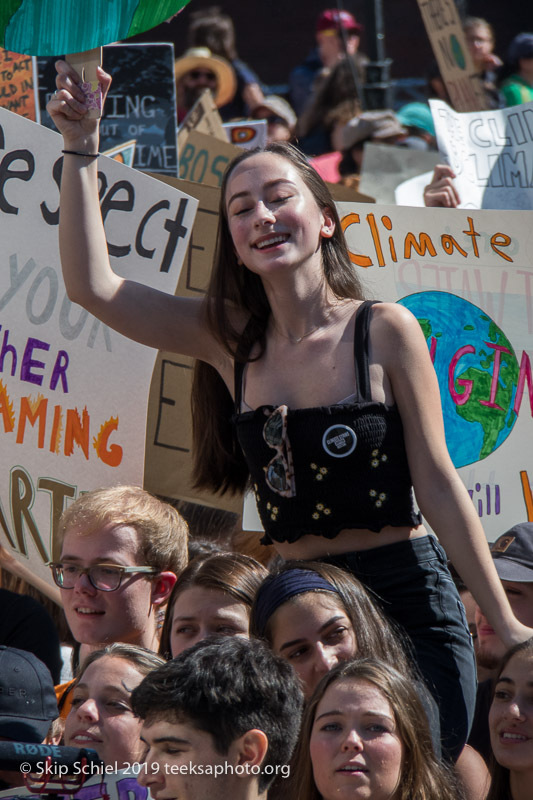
(252, 94)
(440, 493)
(139, 312)
(441, 191)
(19, 570)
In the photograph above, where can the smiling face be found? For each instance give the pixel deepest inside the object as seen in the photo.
(199, 612)
(97, 617)
(355, 749)
(511, 715)
(101, 717)
(313, 632)
(273, 218)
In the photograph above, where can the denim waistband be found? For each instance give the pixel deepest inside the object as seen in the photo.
(398, 555)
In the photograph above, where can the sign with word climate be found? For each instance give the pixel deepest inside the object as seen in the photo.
(467, 277)
(491, 153)
(73, 393)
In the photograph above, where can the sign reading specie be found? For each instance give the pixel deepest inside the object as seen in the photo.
(73, 393)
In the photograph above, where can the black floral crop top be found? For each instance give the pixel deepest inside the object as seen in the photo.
(321, 470)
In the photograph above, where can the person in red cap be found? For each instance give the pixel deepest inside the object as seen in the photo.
(337, 35)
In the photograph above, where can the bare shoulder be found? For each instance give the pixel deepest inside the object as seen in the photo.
(396, 340)
(393, 320)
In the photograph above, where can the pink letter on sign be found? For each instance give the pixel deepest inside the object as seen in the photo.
(460, 399)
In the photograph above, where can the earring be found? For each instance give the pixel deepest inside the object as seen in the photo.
(240, 262)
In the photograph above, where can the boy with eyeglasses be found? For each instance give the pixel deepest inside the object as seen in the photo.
(120, 551)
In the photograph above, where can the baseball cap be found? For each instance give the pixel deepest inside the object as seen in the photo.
(512, 553)
(27, 697)
(417, 115)
(520, 47)
(333, 20)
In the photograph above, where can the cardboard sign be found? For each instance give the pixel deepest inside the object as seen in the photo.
(168, 463)
(443, 26)
(203, 118)
(467, 277)
(247, 134)
(385, 166)
(411, 191)
(18, 84)
(73, 393)
(204, 159)
(140, 105)
(491, 153)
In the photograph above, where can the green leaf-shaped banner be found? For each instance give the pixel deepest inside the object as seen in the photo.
(56, 27)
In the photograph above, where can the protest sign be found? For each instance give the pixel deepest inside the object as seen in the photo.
(18, 84)
(168, 463)
(247, 134)
(73, 393)
(411, 191)
(491, 153)
(110, 785)
(340, 192)
(385, 166)
(467, 277)
(52, 27)
(443, 26)
(203, 118)
(124, 153)
(204, 159)
(140, 105)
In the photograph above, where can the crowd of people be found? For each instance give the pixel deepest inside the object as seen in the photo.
(324, 108)
(342, 665)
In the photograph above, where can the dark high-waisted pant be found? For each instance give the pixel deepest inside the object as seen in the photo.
(415, 588)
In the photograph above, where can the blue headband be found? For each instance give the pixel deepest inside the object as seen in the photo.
(277, 590)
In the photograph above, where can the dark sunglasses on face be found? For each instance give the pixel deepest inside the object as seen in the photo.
(196, 74)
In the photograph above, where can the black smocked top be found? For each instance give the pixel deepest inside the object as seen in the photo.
(320, 470)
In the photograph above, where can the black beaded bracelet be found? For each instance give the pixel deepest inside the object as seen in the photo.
(78, 153)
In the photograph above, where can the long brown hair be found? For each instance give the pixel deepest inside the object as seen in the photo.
(500, 787)
(422, 777)
(374, 632)
(219, 464)
(234, 574)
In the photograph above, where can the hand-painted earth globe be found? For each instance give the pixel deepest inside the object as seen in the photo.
(59, 27)
(477, 371)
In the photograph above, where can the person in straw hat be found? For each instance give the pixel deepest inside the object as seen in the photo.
(199, 69)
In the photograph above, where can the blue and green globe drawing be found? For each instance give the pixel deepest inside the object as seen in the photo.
(477, 371)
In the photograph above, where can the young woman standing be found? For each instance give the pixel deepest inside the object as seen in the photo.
(311, 391)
